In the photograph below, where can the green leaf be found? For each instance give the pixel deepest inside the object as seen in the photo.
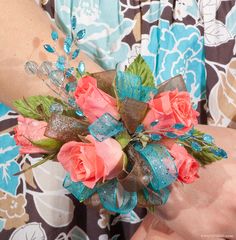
(140, 68)
(123, 138)
(48, 144)
(37, 107)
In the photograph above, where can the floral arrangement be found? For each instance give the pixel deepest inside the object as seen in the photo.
(122, 140)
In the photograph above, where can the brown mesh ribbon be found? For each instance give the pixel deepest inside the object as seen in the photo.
(65, 129)
(140, 174)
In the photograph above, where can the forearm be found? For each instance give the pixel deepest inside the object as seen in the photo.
(24, 30)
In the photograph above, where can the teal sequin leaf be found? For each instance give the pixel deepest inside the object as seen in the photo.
(71, 86)
(81, 68)
(75, 54)
(73, 22)
(196, 147)
(54, 35)
(171, 135)
(179, 126)
(155, 137)
(208, 138)
(69, 72)
(81, 34)
(49, 48)
(67, 44)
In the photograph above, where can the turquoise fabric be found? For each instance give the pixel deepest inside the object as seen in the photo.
(169, 48)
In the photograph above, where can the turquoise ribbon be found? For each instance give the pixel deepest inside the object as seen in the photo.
(130, 86)
(164, 171)
(78, 189)
(105, 127)
(111, 201)
(107, 192)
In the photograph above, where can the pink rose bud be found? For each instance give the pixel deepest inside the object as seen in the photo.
(31, 129)
(90, 162)
(186, 164)
(93, 101)
(168, 109)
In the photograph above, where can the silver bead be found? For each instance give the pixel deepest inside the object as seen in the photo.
(145, 180)
(56, 108)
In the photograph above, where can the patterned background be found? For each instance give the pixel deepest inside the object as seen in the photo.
(188, 37)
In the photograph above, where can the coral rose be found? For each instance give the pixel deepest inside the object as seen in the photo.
(90, 162)
(170, 108)
(186, 164)
(31, 129)
(93, 101)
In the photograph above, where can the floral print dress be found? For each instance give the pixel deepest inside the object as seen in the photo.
(195, 38)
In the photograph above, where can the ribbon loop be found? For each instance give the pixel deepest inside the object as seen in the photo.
(140, 174)
(163, 168)
(78, 189)
(115, 200)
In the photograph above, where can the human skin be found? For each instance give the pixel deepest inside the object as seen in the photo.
(204, 209)
(25, 27)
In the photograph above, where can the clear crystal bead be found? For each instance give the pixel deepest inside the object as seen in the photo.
(44, 69)
(146, 179)
(31, 67)
(56, 77)
(56, 108)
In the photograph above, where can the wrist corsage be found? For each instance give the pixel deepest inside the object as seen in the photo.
(122, 140)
